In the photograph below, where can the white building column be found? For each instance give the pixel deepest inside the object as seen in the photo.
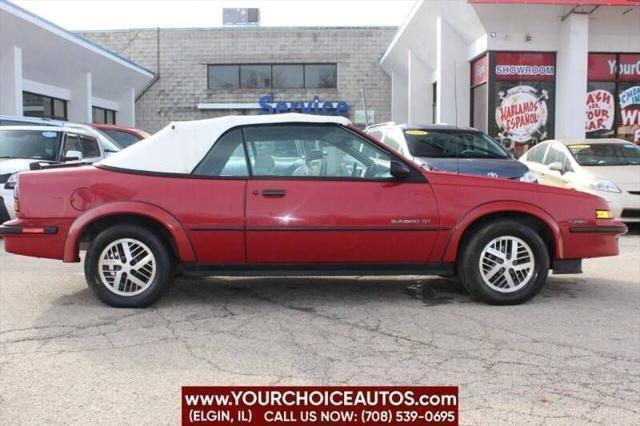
(126, 114)
(571, 77)
(11, 81)
(399, 98)
(419, 91)
(81, 98)
(452, 76)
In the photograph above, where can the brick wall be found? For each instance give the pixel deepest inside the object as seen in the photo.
(185, 53)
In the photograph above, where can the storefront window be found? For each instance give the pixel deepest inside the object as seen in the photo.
(103, 116)
(34, 105)
(320, 76)
(522, 98)
(255, 76)
(613, 98)
(288, 76)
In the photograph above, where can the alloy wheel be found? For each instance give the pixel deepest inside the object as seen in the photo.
(506, 264)
(127, 267)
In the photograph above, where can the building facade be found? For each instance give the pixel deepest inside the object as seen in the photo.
(204, 73)
(46, 71)
(523, 71)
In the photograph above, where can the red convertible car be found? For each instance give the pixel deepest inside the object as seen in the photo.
(297, 194)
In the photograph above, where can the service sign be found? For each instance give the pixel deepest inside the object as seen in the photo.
(314, 106)
(525, 66)
(600, 110)
(522, 114)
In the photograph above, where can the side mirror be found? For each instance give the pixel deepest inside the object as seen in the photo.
(72, 155)
(557, 166)
(399, 170)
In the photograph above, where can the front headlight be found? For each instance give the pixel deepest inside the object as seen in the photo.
(529, 177)
(11, 182)
(605, 186)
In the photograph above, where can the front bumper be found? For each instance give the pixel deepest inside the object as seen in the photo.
(592, 239)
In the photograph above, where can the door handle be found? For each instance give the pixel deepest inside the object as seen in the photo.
(274, 192)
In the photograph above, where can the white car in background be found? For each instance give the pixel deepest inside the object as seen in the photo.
(25, 144)
(609, 168)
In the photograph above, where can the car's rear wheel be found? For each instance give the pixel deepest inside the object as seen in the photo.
(504, 262)
(127, 266)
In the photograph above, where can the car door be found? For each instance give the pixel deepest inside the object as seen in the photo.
(335, 204)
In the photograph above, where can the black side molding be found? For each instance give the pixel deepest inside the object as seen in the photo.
(609, 229)
(318, 269)
(567, 266)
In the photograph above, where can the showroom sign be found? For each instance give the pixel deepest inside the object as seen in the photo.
(315, 106)
(525, 66)
(522, 113)
(600, 110)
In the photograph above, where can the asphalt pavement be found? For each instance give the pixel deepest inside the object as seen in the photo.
(571, 355)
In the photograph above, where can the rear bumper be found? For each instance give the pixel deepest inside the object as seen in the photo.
(37, 238)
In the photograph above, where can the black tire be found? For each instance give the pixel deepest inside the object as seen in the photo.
(164, 267)
(469, 269)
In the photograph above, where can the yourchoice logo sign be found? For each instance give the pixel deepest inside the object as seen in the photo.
(314, 106)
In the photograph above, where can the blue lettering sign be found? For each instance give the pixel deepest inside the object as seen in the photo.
(311, 107)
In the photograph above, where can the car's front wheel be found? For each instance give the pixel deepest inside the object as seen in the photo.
(127, 266)
(504, 262)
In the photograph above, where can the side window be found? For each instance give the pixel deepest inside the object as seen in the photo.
(555, 156)
(323, 151)
(537, 154)
(393, 139)
(225, 158)
(71, 143)
(376, 134)
(89, 147)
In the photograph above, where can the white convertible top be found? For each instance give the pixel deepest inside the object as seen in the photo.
(180, 146)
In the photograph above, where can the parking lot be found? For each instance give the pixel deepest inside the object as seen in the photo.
(570, 355)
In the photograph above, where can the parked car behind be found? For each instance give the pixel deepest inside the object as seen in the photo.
(609, 168)
(122, 135)
(452, 149)
(22, 145)
(235, 195)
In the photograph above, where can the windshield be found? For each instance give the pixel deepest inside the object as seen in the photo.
(453, 144)
(107, 142)
(35, 144)
(606, 154)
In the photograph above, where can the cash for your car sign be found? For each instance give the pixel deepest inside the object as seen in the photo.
(522, 114)
(600, 110)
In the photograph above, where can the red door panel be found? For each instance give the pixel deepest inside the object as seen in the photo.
(215, 222)
(309, 221)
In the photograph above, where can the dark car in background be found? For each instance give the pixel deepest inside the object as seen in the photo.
(453, 149)
(122, 135)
